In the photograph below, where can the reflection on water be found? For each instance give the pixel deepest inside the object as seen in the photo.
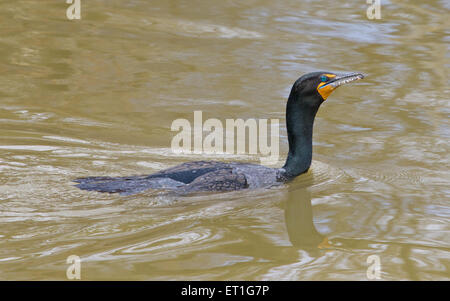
(298, 216)
(97, 96)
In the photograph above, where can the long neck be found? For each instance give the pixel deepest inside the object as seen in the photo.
(299, 123)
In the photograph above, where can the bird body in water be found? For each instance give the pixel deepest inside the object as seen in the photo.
(307, 94)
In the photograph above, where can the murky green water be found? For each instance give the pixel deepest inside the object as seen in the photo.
(97, 96)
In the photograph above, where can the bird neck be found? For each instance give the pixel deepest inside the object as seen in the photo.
(299, 123)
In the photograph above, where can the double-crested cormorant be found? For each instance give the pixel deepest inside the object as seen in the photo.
(307, 94)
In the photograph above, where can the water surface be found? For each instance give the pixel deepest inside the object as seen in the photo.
(97, 96)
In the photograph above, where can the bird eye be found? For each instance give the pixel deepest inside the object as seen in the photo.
(323, 78)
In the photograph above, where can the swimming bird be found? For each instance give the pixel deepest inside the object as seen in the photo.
(307, 94)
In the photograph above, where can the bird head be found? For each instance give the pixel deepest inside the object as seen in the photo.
(315, 87)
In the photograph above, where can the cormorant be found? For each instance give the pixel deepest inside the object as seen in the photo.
(307, 94)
